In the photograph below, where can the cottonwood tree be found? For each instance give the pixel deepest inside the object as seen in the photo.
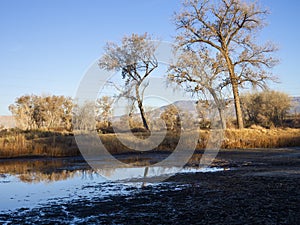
(47, 112)
(104, 111)
(22, 110)
(172, 118)
(267, 108)
(55, 110)
(136, 61)
(229, 28)
(200, 74)
(84, 116)
(67, 114)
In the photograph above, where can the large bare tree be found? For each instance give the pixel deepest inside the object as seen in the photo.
(201, 75)
(229, 28)
(135, 59)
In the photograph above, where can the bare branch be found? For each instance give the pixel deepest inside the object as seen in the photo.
(135, 58)
(227, 28)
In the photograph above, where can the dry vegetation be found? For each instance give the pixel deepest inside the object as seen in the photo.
(54, 144)
(258, 137)
(36, 143)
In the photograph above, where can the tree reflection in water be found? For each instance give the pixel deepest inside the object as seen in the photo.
(44, 170)
(52, 170)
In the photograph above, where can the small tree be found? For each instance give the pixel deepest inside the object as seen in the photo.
(135, 59)
(84, 116)
(66, 116)
(104, 111)
(268, 108)
(172, 118)
(23, 110)
(228, 28)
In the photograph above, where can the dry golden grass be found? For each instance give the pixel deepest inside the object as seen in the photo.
(21, 144)
(261, 138)
(233, 138)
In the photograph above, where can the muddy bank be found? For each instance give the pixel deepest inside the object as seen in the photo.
(261, 187)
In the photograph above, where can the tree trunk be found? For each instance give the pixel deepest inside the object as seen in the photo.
(219, 101)
(237, 104)
(235, 91)
(140, 105)
(145, 124)
(222, 118)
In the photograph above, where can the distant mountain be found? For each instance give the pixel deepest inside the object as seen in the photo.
(190, 107)
(295, 105)
(186, 105)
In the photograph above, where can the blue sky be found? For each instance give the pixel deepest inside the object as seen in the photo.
(46, 46)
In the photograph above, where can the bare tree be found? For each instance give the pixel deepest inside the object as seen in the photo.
(135, 59)
(229, 28)
(172, 118)
(267, 108)
(22, 110)
(104, 110)
(202, 75)
(84, 115)
(35, 112)
(66, 116)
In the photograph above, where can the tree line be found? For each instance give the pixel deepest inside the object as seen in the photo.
(42, 112)
(50, 112)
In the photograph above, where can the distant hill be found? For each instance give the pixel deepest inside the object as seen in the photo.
(189, 106)
(295, 105)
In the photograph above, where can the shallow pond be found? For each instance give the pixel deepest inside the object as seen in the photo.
(68, 191)
(32, 183)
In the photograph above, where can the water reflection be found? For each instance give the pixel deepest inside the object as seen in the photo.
(15, 193)
(35, 171)
(148, 173)
(43, 170)
(33, 182)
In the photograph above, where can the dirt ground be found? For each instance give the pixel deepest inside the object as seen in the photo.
(262, 186)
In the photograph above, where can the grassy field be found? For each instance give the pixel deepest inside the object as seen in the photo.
(58, 144)
(37, 143)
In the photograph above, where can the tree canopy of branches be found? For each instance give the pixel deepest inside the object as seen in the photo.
(84, 116)
(42, 112)
(267, 108)
(104, 111)
(228, 28)
(135, 59)
(172, 118)
(201, 75)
